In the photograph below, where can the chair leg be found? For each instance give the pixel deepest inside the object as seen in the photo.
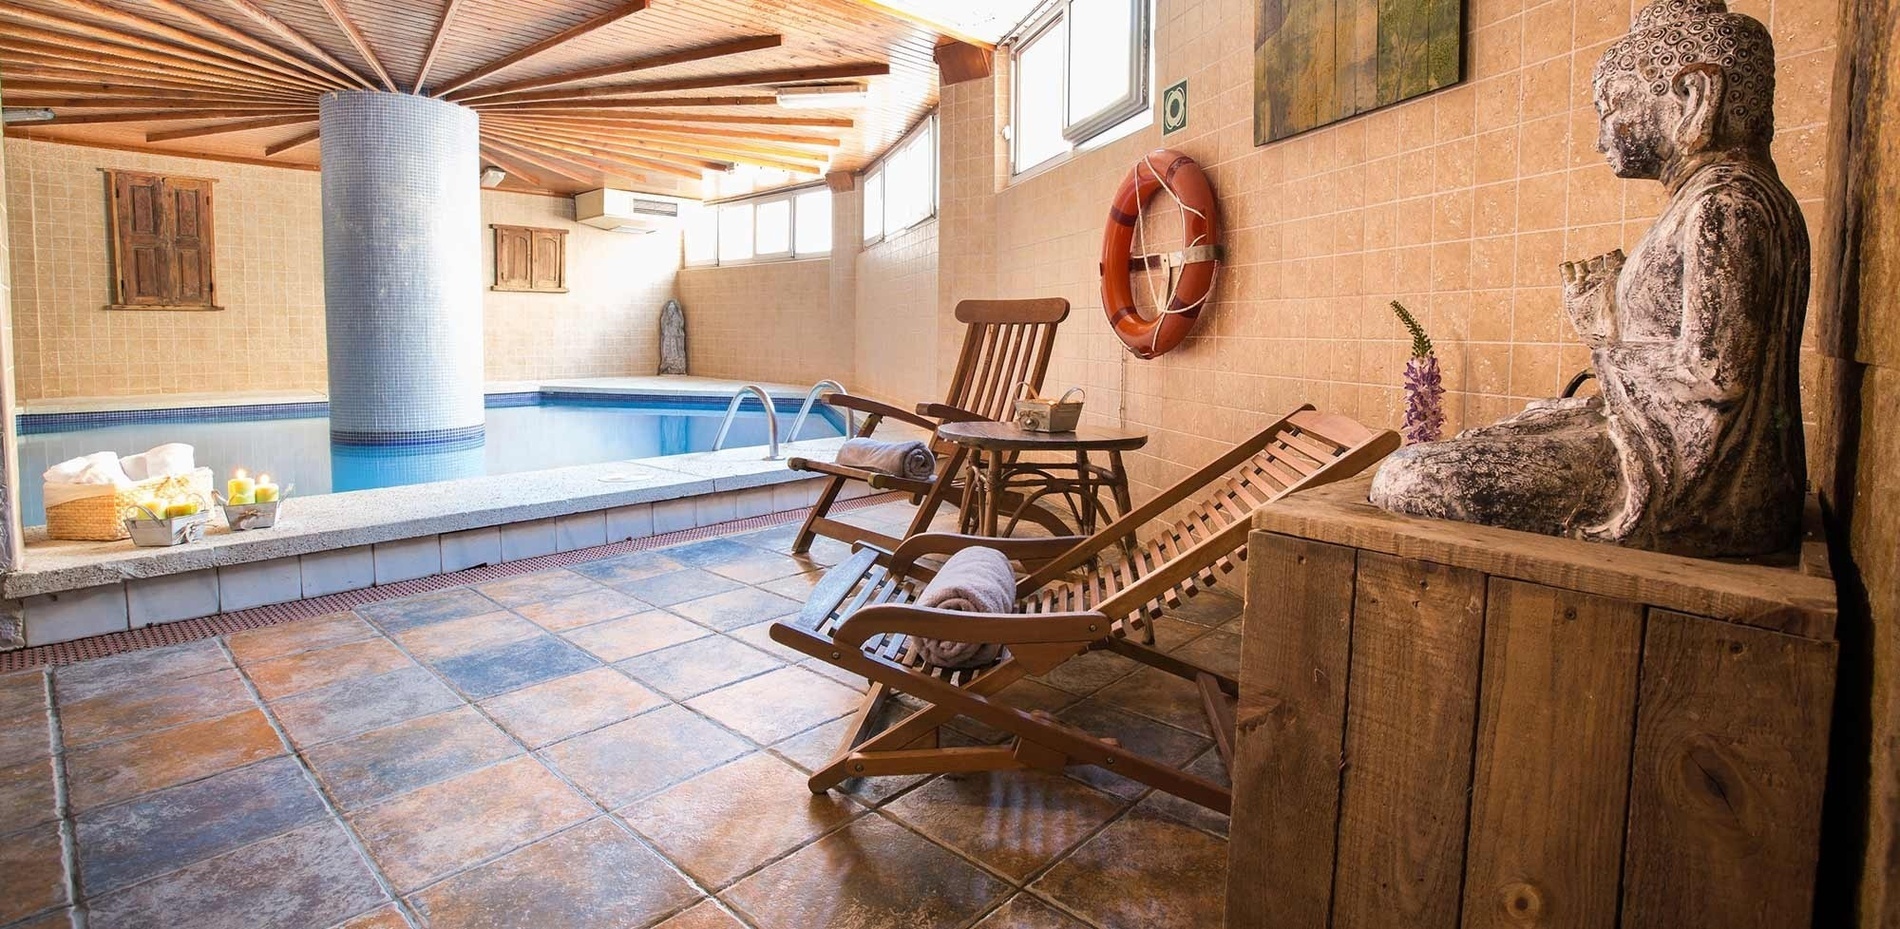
(901, 736)
(820, 508)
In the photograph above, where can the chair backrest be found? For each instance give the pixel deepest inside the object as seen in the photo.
(1006, 343)
(1305, 449)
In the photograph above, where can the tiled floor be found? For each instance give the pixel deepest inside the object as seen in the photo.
(613, 745)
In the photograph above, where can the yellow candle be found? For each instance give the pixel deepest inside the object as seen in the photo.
(181, 508)
(240, 488)
(265, 491)
(153, 506)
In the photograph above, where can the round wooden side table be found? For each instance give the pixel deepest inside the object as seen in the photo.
(1001, 474)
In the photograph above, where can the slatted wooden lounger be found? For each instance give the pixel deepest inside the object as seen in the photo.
(1083, 593)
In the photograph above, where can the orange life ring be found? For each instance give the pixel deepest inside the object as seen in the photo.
(1161, 169)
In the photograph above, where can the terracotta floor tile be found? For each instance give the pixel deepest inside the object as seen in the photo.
(57, 919)
(1208, 766)
(723, 823)
(112, 771)
(35, 873)
(621, 569)
(798, 586)
(758, 567)
(311, 876)
(847, 678)
(873, 874)
(1013, 821)
(501, 668)
(437, 642)
(422, 609)
(126, 843)
(281, 677)
(1171, 633)
(254, 645)
(594, 874)
(705, 554)
(1026, 695)
(678, 586)
(381, 763)
(759, 636)
(1025, 911)
(137, 670)
(1089, 672)
(1210, 607)
(537, 587)
(1217, 651)
(317, 716)
(160, 705)
(630, 759)
(778, 704)
(22, 691)
(815, 748)
(387, 917)
(619, 639)
(1138, 734)
(570, 705)
(1160, 696)
(1144, 870)
(581, 609)
(695, 667)
(706, 915)
(736, 608)
(450, 825)
(25, 736)
(26, 795)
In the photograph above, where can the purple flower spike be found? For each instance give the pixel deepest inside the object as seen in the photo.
(1424, 389)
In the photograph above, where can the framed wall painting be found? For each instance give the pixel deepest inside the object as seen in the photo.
(1320, 61)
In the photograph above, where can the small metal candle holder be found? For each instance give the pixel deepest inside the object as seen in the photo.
(243, 517)
(164, 532)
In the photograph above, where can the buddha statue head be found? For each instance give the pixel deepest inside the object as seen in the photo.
(1690, 77)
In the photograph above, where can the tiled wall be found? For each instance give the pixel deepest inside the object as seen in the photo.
(770, 321)
(270, 281)
(897, 316)
(1461, 204)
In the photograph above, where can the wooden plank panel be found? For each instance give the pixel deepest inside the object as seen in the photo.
(1729, 765)
(1289, 733)
(1444, 43)
(1417, 635)
(1558, 702)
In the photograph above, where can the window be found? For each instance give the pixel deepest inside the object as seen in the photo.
(161, 242)
(1080, 71)
(901, 191)
(787, 224)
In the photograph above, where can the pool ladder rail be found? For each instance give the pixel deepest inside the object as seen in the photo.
(771, 414)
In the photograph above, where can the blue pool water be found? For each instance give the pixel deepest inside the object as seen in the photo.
(291, 442)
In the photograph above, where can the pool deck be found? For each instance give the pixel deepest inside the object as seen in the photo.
(343, 538)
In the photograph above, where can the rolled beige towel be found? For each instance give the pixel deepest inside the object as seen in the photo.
(911, 460)
(974, 580)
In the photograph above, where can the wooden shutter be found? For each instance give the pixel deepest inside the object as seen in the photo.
(162, 252)
(549, 268)
(530, 259)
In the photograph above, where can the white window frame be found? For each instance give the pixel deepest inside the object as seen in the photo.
(875, 174)
(791, 253)
(1081, 129)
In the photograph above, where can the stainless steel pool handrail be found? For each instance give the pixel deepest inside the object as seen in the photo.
(811, 397)
(732, 409)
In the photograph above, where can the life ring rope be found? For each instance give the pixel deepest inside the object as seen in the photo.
(1201, 248)
(1197, 250)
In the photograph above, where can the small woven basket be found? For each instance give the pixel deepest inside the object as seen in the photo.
(101, 517)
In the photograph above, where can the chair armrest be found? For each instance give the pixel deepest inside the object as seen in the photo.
(959, 626)
(873, 408)
(1026, 550)
(944, 412)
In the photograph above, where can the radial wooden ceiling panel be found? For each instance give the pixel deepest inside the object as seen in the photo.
(677, 81)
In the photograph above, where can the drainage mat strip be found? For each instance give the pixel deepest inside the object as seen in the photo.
(204, 627)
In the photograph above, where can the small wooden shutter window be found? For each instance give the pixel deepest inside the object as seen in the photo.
(530, 259)
(162, 252)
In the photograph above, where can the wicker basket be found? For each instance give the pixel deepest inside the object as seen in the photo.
(101, 517)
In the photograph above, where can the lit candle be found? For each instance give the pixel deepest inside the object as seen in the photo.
(152, 506)
(181, 508)
(240, 488)
(265, 491)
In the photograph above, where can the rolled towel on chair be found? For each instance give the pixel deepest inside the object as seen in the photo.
(911, 460)
(974, 580)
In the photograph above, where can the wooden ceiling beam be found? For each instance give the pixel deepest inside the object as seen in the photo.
(435, 44)
(144, 56)
(568, 170)
(563, 37)
(723, 149)
(202, 102)
(624, 103)
(671, 117)
(298, 141)
(360, 41)
(185, 38)
(681, 169)
(702, 53)
(63, 29)
(684, 132)
(101, 74)
(232, 34)
(752, 79)
(933, 24)
(81, 119)
(699, 156)
(241, 125)
(514, 167)
(297, 39)
(29, 85)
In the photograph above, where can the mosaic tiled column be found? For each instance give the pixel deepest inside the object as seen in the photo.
(401, 268)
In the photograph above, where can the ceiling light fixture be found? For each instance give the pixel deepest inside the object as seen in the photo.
(493, 176)
(822, 96)
(26, 115)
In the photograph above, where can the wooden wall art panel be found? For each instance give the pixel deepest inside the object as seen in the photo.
(1321, 61)
(161, 242)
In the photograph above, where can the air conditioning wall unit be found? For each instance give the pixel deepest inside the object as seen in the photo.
(625, 211)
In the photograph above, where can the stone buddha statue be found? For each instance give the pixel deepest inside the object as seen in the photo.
(1693, 445)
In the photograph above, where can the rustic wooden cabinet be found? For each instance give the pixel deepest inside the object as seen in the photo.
(1444, 725)
(162, 244)
(530, 259)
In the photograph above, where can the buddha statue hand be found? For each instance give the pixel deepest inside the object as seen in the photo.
(1590, 296)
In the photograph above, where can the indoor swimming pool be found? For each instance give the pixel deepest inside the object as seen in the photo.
(291, 442)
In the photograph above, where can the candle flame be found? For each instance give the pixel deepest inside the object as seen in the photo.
(263, 478)
(238, 473)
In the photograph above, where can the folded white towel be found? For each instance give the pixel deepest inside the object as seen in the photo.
(901, 459)
(161, 461)
(96, 468)
(974, 580)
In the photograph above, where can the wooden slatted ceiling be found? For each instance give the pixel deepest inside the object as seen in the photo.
(643, 100)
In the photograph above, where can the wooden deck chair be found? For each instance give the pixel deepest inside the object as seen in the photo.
(1081, 593)
(1006, 343)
